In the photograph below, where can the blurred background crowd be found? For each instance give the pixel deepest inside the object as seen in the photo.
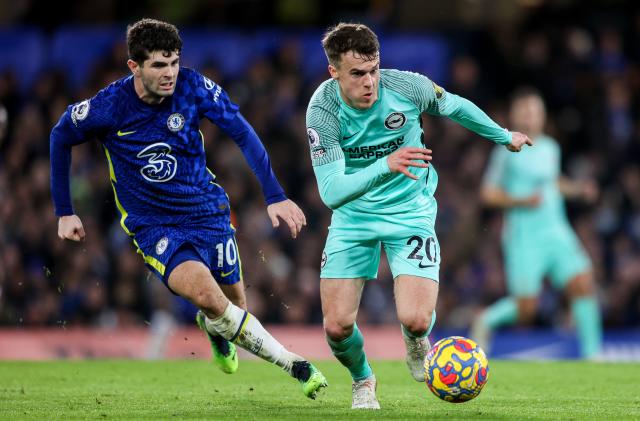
(583, 56)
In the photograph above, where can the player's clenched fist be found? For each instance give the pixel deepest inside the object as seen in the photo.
(70, 228)
(400, 160)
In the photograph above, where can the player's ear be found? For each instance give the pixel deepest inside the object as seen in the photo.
(134, 67)
(333, 71)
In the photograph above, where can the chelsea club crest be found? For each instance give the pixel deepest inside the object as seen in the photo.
(161, 246)
(175, 122)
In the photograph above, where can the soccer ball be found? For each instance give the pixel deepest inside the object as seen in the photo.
(456, 369)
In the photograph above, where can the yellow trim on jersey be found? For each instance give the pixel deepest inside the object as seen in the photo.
(124, 214)
(150, 260)
(112, 174)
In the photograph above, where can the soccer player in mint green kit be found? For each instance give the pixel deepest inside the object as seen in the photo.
(373, 171)
(537, 238)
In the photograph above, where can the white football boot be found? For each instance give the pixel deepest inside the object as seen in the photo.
(364, 394)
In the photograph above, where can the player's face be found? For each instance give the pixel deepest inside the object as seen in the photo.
(358, 79)
(156, 77)
(528, 115)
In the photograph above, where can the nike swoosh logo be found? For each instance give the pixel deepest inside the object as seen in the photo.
(225, 274)
(350, 136)
(421, 266)
(121, 133)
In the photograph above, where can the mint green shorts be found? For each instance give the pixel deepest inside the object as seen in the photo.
(529, 259)
(354, 244)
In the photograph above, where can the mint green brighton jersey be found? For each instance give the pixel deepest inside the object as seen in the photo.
(347, 141)
(533, 171)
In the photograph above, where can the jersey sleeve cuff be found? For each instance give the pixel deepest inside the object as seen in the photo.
(276, 198)
(64, 211)
(383, 166)
(506, 138)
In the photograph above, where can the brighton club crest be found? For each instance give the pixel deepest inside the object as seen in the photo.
(175, 122)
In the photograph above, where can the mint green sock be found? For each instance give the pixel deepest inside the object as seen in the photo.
(410, 335)
(503, 312)
(350, 352)
(586, 316)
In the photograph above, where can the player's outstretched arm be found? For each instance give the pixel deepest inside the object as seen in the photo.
(469, 115)
(290, 213)
(578, 190)
(494, 197)
(256, 156)
(70, 228)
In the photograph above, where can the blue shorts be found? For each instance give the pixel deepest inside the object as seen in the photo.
(164, 248)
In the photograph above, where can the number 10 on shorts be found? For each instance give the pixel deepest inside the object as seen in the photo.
(227, 252)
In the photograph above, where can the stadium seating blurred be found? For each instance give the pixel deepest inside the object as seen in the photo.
(588, 73)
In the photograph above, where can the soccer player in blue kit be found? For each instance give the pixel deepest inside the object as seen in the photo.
(176, 214)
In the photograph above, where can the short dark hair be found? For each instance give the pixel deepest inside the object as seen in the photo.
(346, 37)
(147, 35)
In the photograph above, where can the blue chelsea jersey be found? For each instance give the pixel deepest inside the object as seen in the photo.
(156, 155)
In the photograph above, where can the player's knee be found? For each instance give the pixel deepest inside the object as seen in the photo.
(581, 286)
(209, 302)
(336, 330)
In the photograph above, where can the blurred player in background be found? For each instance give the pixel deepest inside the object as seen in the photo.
(171, 206)
(368, 155)
(538, 240)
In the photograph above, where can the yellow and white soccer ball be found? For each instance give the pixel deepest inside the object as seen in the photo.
(456, 369)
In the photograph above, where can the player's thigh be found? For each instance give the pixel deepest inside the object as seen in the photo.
(525, 265)
(581, 285)
(340, 301)
(568, 259)
(416, 299)
(192, 280)
(350, 253)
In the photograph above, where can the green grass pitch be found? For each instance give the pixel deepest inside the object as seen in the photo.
(140, 390)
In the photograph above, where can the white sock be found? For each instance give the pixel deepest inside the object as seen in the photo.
(242, 328)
